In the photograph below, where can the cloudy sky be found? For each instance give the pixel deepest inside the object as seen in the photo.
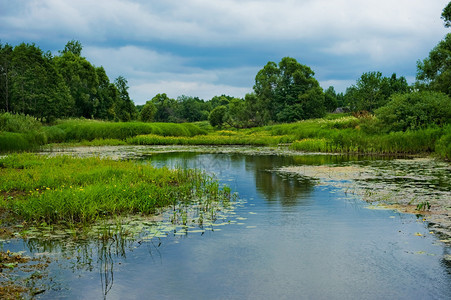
(205, 48)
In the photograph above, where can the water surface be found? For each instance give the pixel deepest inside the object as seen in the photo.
(287, 237)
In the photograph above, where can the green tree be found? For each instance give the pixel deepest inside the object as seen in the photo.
(373, 90)
(107, 96)
(82, 79)
(330, 99)
(5, 73)
(191, 109)
(74, 47)
(286, 90)
(124, 107)
(446, 15)
(148, 111)
(166, 108)
(434, 72)
(256, 113)
(217, 116)
(218, 101)
(37, 88)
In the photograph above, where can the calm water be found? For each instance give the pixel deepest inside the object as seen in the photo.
(288, 238)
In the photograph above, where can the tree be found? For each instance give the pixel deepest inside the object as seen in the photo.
(373, 90)
(107, 96)
(36, 86)
(284, 91)
(74, 47)
(82, 80)
(446, 15)
(434, 72)
(124, 107)
(191, 109)
(217, 116)
(5, 73)
(148, 111)
(165, 108)
(330, 99)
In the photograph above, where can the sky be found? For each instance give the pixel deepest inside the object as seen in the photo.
(204, 48)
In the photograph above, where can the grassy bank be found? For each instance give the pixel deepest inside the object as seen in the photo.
(72, 190)
(88, 130)
(335, 133)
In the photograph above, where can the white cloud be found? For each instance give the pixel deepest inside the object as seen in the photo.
(146, 41)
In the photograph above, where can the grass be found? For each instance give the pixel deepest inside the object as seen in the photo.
(80, 130)
(340, 133)
(67, 190)
(218, 138)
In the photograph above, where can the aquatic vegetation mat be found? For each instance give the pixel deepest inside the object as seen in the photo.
(420, 186)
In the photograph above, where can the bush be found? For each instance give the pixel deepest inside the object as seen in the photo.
(415, 110)
(217, 116)
(443, 145)
(18, 123)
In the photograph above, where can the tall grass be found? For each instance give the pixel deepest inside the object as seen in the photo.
(211, 139)
(443, 145)
(20, 132)
(79, 130)
(73, 190)
(357, 141)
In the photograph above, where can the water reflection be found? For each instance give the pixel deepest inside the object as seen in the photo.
(317, 246)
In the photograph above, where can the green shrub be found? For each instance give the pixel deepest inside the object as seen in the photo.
(443, 145)
(415, 110)
(18, 123)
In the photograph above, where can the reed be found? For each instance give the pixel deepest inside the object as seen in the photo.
(79, 130)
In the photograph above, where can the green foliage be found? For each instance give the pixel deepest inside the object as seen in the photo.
(74, 47)
(434, 72)
(443, 145)
(147, 112)
(18, 123)
(36, 83)
(415, 110)
(219, 138)
(446, 15)
(217, 116)
(20, 132)
(79, 130)
(72, 190)
(355, 141)
(288, 92)
(124, 108)
(373, 90)
(330, 99)
(191, 109)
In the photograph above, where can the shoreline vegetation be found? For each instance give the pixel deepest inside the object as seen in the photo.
(335, 133)
(74, 192)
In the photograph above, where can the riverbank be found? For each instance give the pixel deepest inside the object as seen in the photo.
(333, 134)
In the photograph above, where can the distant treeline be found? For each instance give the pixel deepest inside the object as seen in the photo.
(50, 87)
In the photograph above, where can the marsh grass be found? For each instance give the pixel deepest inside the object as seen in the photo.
(20, 132)
(219, 138)
(79, 130)
(67, 190)
(357, 141)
